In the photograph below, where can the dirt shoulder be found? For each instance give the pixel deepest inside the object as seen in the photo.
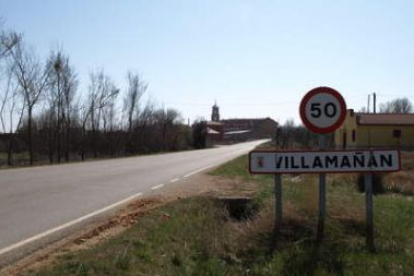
(108, 227)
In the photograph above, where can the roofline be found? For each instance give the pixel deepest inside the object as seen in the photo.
(370, 124)
(249, 119)
(376, 114)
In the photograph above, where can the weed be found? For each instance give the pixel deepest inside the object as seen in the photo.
(123, 259)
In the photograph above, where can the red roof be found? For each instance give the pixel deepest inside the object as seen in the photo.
(385, 119)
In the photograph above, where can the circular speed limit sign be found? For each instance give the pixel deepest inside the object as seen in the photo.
(322, 110)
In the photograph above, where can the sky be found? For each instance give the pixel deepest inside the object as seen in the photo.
(255, 58)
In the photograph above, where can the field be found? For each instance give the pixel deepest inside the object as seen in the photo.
(204, 236)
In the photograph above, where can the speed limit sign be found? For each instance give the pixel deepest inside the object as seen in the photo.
(322, 110)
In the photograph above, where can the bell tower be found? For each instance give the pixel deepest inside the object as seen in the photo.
(215, 115)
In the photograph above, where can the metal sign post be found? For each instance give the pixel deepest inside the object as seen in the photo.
(369, 209)
(278, 203)
(322, 110)
(278, 198)
(322, 196)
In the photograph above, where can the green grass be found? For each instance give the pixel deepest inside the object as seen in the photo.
(238, 168)
(195, 236)
(183, 238)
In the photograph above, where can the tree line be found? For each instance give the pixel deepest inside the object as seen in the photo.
(45, 118)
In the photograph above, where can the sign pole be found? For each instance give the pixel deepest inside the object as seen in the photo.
(278, 197)
(369, 209)
(322, 110)
(278, 203)
(322, 196)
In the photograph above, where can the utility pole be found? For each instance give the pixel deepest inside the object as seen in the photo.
(374, 100)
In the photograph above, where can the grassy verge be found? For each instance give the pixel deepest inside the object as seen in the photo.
(196, 236)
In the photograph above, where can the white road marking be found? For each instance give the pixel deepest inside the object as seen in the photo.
(199, 170)
(66, 225)
(157, 186)
(174, 180)
(83, 218)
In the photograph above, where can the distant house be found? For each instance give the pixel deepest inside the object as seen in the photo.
(214, 133)
(249, 128)
(361, 130)
(237, 130)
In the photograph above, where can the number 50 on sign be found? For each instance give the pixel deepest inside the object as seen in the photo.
(322, 110)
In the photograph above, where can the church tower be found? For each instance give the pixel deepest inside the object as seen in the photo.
(215, 115)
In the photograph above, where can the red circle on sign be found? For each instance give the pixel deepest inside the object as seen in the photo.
(314, 92)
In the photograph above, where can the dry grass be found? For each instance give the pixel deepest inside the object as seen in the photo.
(407, 160)
(400, 182)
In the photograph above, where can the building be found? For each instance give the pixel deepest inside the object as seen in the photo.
(215, 114)
(237, 130)
(245, 129)
(362, 130)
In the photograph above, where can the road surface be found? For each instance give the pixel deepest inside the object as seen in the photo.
(39, 202)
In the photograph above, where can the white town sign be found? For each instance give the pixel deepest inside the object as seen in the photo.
(275, 162)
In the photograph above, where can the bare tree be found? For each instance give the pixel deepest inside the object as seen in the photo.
(69, 88)
(7, 41)
(109, 116)
(285, 134)
(168, 119)
(9, 97)
(399, 105)
(60, 127)
(109, 119)
(143, 129)
(62, 89)
(32, 80)
(199, 133)
(101, 92)
(136, 88)
(84, 114)
(10, 101)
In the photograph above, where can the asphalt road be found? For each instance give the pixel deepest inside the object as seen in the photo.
(41, 201)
